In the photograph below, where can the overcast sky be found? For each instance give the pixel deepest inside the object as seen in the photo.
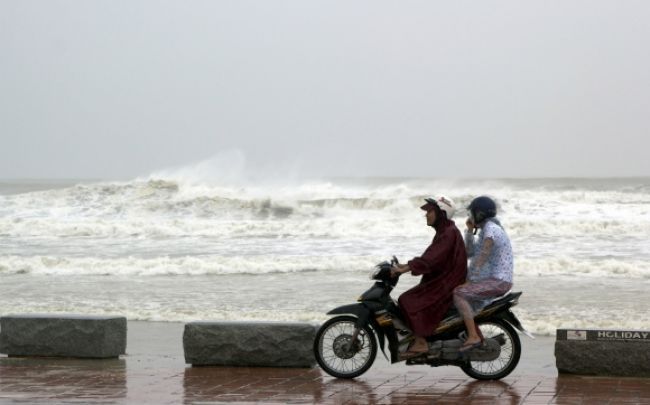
(119, 89)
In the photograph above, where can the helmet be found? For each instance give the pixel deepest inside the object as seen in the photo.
(445, 204)
(482, 208)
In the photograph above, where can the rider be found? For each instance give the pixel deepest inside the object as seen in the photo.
(489, 273)
(443, 266)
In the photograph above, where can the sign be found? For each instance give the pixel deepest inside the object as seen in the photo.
(604, 335)
(622, 335)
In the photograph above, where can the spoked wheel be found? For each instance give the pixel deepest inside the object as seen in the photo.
(508, 358)
(337, 354)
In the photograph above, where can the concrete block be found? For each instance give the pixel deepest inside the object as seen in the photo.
(603, 352)
(263, 344)
(63, 335)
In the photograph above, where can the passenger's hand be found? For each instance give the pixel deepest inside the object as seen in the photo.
(470, 225)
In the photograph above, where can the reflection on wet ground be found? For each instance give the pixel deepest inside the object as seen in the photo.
(62, 379)
(115, 381)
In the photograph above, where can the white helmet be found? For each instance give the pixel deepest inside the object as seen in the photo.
(445, 204)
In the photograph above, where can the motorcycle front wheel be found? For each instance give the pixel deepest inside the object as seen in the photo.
(337, 354)
(508, 357)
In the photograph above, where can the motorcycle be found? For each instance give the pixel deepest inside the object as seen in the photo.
(346, 345)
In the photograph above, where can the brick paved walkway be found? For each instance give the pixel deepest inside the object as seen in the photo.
(119, 381)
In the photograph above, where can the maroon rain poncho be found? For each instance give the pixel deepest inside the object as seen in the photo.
(443, 266)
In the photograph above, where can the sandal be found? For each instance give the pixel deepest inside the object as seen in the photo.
(471, 346)
(410, 353)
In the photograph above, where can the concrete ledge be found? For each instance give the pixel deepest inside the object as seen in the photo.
(63, 335)
(257, 344)
(603, 352)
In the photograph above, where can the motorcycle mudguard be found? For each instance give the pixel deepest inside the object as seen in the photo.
(393, 344)
(364, 318)
(509, 317)
(359, 310)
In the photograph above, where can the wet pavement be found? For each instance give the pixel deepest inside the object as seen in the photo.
(153, 372)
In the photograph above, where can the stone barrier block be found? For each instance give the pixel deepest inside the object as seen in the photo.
(63, 335)
(603, 352)
(256, 344)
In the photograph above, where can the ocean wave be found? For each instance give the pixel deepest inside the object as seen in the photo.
(564, 229)
(281, 221)
(578, 266)
(140, 230)
(155, 212)
(173, 197)
(269, 264)
(325, 193)
(181, 266)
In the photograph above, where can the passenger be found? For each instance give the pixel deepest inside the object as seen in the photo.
(490, 270)
(443, 266)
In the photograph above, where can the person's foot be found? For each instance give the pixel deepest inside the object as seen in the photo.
(470, 345)
(417, 348)
(409, 354)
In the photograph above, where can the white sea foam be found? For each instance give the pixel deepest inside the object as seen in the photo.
(554, 229)
(164, 200)
(182, 266)
(175, 245)
(270, 263)
(601, 268)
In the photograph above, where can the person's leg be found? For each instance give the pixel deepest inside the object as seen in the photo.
(468, 293)
(419, 345)
(465, 310)
(415, 318)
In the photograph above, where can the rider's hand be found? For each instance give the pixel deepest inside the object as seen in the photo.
(398, 269)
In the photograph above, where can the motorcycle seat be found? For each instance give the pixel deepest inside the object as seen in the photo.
(507, 297)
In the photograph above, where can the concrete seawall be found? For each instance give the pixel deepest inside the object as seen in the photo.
(63, 335)
(258, 344)
(603, 352)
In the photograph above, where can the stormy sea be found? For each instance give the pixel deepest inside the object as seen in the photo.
(174, 246)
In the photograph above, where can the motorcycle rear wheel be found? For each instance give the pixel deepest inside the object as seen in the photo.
(508, 358)
(331, 348)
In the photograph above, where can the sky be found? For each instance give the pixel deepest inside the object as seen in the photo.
(119, 89)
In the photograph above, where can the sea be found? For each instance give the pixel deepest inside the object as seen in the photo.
(177, 248)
